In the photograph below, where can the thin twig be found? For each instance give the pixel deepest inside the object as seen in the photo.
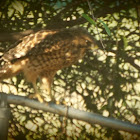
(101, 40)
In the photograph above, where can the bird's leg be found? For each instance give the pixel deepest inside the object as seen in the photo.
(36, 94)
(47, 80)
(46, 84)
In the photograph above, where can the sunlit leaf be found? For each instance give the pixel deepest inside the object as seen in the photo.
(125, 41)
(106, 27)
(89, 19)
(18, 6)
(10, 12)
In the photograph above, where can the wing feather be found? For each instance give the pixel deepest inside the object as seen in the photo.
(24, 46)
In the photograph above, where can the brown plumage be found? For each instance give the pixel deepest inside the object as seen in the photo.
(42, 54)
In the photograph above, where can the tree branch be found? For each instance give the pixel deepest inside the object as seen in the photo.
(89, 117)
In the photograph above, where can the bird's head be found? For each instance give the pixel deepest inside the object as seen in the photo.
(85, 39)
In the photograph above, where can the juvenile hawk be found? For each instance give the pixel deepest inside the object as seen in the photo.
(42, 54)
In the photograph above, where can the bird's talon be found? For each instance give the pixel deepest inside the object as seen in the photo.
(37, 96)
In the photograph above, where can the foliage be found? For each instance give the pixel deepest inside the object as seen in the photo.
(105, 84)
(94, 23)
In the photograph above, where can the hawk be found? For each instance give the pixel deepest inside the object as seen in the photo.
(42, 54)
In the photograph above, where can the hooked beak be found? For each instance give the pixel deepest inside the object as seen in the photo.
(93, 47)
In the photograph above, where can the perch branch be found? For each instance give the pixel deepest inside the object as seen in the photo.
(89, 117)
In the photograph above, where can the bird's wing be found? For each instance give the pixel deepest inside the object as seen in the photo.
(51, 43)
(48, 42)
(24, 46)
(32, 45)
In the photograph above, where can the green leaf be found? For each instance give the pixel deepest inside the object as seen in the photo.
(125, 42)
(18, 6)
(89, 19)
(10, 11)
(106, 27)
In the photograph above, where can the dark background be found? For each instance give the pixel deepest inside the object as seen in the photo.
(105, 84)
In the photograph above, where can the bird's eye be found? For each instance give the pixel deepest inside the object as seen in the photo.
(88, 43)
